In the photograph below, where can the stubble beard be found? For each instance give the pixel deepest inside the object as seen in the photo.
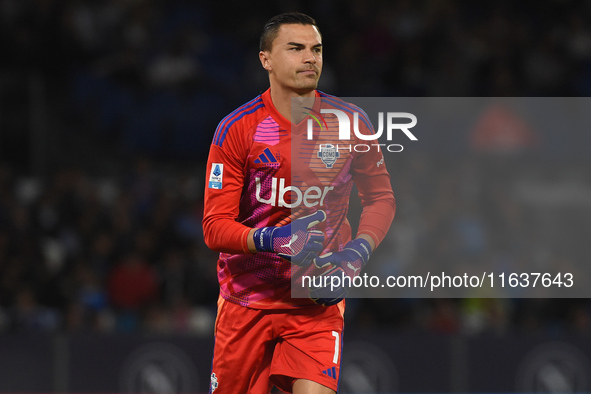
(307, 84)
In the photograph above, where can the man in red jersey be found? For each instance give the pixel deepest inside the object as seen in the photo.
(267, 222)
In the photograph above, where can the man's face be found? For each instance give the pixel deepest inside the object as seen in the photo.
(295, 59)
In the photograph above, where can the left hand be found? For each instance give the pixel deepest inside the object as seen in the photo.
(347, 262)
(327, 295)
(351, 259)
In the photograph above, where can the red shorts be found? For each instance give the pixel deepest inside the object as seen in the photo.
(256, 349)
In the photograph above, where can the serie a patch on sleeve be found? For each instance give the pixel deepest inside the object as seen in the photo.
(216, 176)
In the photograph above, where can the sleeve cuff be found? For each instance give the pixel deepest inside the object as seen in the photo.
(245, 241)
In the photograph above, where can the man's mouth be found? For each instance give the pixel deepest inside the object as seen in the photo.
(308, 72)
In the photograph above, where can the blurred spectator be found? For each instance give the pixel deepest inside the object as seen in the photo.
(132, 283)
(444, 318)
(28, 315)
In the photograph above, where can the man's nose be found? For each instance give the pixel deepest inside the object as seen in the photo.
(310, 57)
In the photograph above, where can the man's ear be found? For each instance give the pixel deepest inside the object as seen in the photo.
(264, 58)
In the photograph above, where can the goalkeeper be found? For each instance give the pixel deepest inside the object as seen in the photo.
(268, 222)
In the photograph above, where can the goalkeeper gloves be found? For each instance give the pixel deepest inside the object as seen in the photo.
(351, 259)
(348, 262)
(327, 295)
(294, 242)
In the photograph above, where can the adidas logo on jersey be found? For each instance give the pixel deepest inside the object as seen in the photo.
(331, 372)
(310, 198)
(266, 157)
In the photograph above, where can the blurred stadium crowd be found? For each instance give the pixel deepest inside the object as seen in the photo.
(106, 235)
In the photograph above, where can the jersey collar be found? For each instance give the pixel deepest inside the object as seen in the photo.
(280, 119)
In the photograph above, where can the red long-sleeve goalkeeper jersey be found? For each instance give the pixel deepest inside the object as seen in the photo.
(262, 172)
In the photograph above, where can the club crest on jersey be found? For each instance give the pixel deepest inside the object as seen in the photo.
(216, 176)
(329, 154)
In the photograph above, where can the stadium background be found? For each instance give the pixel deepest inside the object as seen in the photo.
(107, 109)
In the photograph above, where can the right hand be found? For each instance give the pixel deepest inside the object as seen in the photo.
(294, 242)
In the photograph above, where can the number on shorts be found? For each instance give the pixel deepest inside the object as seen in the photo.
(335, 359)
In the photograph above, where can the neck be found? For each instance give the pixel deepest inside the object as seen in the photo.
(285, 101)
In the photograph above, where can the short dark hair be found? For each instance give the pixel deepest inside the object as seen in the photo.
(272, 26)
